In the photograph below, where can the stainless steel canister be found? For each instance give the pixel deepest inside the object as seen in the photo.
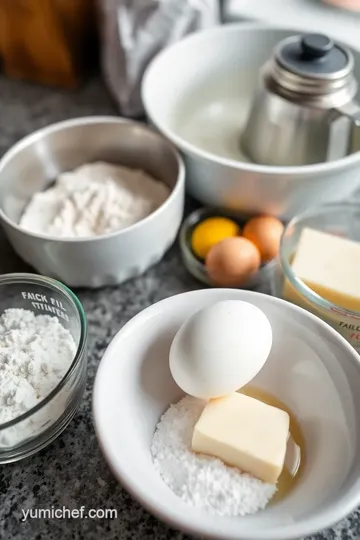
(304, 110)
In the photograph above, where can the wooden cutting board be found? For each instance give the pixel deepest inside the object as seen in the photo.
(46, 41)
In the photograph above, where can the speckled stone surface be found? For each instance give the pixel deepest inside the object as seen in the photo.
(71, 472)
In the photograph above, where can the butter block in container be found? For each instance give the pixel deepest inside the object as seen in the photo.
(330, 266)
(318, 267)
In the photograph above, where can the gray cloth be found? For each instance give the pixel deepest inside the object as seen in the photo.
(134, 31)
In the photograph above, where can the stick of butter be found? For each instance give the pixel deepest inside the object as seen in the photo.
(329, 265)
(245, 433)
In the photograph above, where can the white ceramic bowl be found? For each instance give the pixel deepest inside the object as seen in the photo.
(198, 93)
(35, 161)
(311, 368)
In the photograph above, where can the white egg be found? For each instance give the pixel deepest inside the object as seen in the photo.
(220, 349)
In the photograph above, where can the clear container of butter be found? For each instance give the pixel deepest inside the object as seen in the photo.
(341, 220)
(259, 280)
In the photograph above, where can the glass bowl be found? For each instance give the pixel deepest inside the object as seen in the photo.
(341, 219)
(40, 425)
(197, 268)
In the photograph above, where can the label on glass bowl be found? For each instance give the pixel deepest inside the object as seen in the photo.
(45, 303)
(347, 324)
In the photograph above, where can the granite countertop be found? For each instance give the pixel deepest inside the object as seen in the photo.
(71, 472)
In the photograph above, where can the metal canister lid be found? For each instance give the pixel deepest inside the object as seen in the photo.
(312, 69)
(314, 56)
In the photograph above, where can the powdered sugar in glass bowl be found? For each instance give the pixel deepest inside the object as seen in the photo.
(43, 362)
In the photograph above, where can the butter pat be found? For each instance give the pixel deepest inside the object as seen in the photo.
(329, 265)
(245, 433)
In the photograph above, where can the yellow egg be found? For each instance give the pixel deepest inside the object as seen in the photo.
(265, 232)
(210, 232)
(232, 262)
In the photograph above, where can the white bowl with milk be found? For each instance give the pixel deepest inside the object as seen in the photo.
(198, 93)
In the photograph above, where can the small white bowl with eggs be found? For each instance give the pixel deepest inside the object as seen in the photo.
(311, 369)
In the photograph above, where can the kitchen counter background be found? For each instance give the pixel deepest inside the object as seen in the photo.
(71, 472)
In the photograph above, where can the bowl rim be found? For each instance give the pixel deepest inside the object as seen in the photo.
(210, 34)
(179, 185)
(327, 518)
(18, 278)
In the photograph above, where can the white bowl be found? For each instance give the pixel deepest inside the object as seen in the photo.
(311, 368)
(35, 161)
(198, 93)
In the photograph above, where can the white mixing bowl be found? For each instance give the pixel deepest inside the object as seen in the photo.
(311, 368)
(198, 93)
(33, 163)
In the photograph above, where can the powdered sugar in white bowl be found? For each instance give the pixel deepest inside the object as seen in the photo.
(94, 199)
(70, 238)
(311, 369)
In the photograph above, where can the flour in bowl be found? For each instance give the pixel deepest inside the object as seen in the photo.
(93, 200)
(202, 481)
(35, 353)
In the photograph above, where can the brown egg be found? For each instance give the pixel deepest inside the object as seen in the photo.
(265, 232)
(231, 262)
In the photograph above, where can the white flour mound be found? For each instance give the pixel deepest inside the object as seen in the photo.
(35, 353)
(199, 480)
(95, 199)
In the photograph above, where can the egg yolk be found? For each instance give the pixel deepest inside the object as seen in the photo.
(210, 232)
